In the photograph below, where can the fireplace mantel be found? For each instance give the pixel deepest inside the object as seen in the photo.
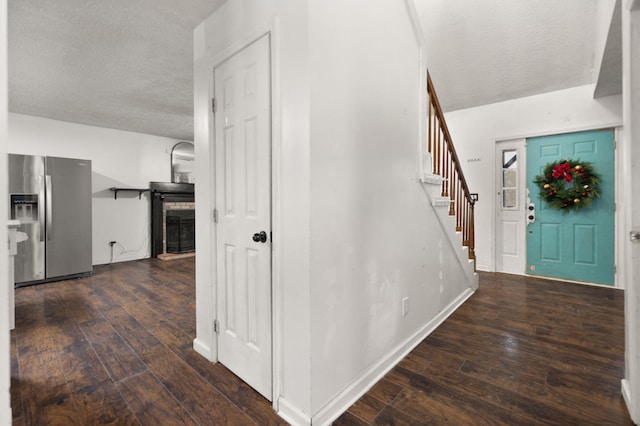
(171, 188)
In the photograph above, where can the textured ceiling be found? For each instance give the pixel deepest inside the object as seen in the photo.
(123, 64)
(481, 52)
(128, 64)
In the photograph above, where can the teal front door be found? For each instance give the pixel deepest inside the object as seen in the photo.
(577, 245)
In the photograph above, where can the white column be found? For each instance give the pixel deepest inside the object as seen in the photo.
(631, 101)
(5, 363)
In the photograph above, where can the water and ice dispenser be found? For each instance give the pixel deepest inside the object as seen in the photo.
(24, 207)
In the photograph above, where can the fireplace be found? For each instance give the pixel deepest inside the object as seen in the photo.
(179, 228)
(172, 219)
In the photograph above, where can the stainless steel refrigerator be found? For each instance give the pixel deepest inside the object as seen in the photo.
(51, 197)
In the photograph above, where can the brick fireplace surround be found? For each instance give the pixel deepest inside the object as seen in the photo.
(172, 205)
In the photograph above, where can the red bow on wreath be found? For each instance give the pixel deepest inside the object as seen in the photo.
(563, 171)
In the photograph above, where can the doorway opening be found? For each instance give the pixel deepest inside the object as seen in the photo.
(533, 238)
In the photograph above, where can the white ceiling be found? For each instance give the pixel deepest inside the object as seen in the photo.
(481, 52)
(123, 64)
(127, 64)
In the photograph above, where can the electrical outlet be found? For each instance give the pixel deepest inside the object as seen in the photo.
(405, 306)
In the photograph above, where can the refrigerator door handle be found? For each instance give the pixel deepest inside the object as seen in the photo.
(49, 207)
(41, 203)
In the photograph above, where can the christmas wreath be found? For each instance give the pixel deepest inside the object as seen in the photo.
(568, 185)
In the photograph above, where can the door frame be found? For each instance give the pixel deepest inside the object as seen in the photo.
(270, 31)
(621, 186)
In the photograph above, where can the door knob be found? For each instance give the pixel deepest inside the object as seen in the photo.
(260, 237)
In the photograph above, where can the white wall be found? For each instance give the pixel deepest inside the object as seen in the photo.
(354, 231)
(228, 30)
(375, 238)
(118, 158)
(5, 364)
(604, 12)
(476, 130)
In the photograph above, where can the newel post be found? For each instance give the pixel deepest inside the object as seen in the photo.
(472, 239)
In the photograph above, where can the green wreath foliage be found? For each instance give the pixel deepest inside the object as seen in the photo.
(568, 185)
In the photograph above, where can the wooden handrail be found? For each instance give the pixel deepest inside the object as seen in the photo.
(447, 165)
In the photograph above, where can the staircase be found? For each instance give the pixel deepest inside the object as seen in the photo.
(445, 182)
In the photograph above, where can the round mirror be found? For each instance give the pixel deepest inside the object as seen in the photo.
(182, 162)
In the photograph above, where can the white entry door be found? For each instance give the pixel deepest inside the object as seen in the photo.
(243, 200)
(511, 207)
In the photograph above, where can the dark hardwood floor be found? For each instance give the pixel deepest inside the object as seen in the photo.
(520, 351)
(115, 348)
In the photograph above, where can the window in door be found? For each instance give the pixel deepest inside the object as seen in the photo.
(510, 179)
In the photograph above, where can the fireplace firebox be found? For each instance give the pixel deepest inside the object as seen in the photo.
(172, 218)
(180, 231)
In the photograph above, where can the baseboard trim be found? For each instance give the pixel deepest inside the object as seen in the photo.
(203, 349)
(6, 418)
(626, 395)
(360, 386)
(291, 414)
(626, 392)
(487, 268)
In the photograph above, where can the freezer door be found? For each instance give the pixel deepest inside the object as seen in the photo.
(68, 234)
(26, 204)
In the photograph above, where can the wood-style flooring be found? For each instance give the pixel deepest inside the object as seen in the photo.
(115, 348)
(520, 351)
